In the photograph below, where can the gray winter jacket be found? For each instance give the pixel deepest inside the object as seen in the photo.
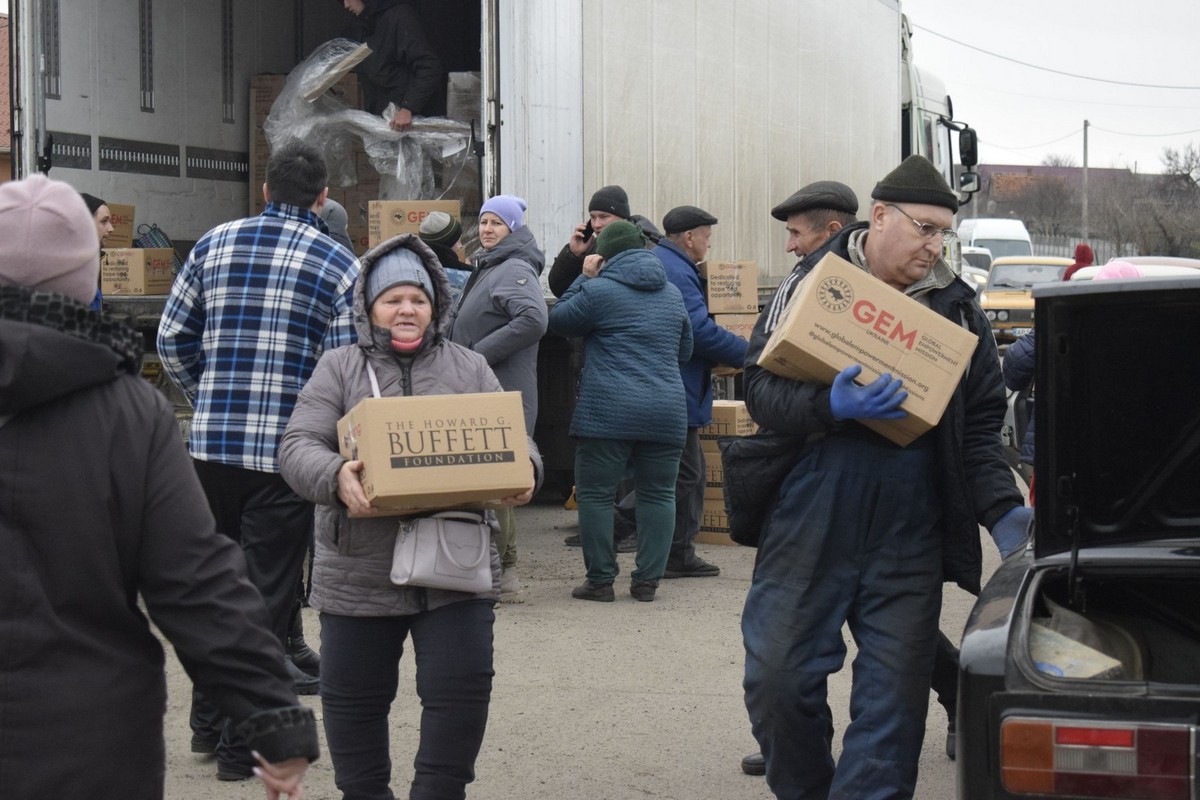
(353, 557)
(502, 314)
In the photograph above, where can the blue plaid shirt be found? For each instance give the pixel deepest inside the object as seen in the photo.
(250, 312)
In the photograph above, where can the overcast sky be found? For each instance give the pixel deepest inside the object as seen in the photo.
(1023, 114)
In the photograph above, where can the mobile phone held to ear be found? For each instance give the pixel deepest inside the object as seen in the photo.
(588, 231)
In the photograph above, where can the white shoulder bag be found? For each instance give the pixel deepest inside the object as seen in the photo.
(446, 550)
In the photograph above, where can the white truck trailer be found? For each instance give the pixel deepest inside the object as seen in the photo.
(727, 105)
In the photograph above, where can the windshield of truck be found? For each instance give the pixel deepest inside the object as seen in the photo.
(1023, 276)
(1005, 247)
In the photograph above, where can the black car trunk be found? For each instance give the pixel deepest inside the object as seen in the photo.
(1110, 626)
(1117, 465)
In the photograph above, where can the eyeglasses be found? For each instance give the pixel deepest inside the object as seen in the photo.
(926, 230)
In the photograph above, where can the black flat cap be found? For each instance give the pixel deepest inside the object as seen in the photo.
(684, 218)
(830, 195)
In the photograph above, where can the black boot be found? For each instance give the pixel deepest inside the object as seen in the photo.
(754, 764)
(298, 650)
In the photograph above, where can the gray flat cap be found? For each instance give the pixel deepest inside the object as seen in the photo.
(684, 218)
(820, 194)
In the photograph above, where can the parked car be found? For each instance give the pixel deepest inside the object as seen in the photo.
(1007, 300)
(979, 257)
(1150, 267)
(971, 262)
(1012, 433)
(1080, 663)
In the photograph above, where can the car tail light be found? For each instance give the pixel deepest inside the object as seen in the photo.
(1077, 759)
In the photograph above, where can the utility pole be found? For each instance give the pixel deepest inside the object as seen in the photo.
(1085, 208)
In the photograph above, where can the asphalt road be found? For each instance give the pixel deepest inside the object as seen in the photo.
(604, 701)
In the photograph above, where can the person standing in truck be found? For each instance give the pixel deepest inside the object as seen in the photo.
(403, 70)
(688, 236)
(255, 305)
(863, 532)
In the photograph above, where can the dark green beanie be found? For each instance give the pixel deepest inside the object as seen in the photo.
(617, 237)
(916, 180)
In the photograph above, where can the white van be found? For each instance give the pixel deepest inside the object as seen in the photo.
(1003, 237)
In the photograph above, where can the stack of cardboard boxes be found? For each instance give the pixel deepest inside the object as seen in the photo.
(731, 289)
(128, 270)
(264, 90)
(730, 418)
(370, 219)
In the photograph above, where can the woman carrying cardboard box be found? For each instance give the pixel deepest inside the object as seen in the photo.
(401, 302)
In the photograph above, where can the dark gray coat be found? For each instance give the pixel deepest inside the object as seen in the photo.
(502, 314)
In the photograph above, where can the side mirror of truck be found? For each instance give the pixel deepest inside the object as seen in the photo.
(968, 182)
(968, 148)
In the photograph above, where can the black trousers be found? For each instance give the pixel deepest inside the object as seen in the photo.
(273, 525)
(360, 657)
(689, 499)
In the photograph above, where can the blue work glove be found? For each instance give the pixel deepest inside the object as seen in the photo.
(1012, 530)
(878, 400)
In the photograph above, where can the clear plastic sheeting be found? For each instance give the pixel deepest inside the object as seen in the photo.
(432, 160)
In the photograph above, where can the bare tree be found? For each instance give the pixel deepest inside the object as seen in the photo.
(1055, 160)
(1051, 205)
(1168, 218)
(1183, 164)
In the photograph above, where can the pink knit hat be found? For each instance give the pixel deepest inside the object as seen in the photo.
(1117, 269)
(48, 239)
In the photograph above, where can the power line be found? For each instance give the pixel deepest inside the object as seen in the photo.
(1034, 146)
(1151, 135)
(1078, 130)
(1048, 69)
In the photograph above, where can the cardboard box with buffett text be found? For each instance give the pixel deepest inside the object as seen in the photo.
(136, 270)
(431, 452)
(122, 222)
(714, 477)
(388, 218)
(714, 524)
(729, 418)
(731, 287)
(841, 315)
